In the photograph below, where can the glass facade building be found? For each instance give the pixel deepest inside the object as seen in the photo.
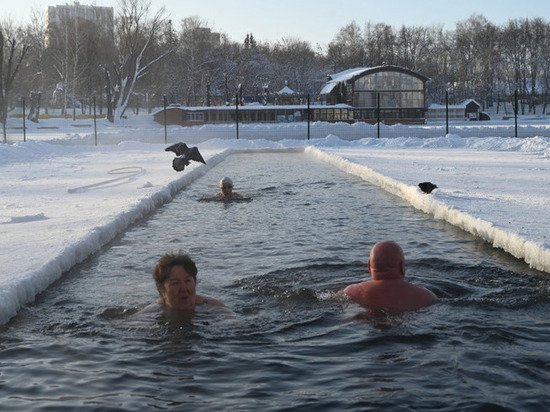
(390, 94)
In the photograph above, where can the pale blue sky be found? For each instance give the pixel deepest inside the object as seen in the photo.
(316, 21)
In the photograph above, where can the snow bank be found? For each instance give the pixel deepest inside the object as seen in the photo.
(535, 254)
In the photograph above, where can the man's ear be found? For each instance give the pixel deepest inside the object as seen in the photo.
(402, 267)
(368, 264)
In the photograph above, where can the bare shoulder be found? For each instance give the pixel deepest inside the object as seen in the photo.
(430, 296)
(206, 300)
(355, 291)
(215, 302)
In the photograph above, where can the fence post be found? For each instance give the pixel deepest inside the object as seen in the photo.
(378, 113)
(446, 112)
(237, 113)
(516, 109)
(24, 123)
(165, 131)
(308, 115)
(95, 122)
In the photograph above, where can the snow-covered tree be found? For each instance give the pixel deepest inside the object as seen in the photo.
(294, 61)
(137, 38)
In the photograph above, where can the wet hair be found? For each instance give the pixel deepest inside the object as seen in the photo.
(162, 270)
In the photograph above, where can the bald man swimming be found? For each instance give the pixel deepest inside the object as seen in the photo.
(387, 287)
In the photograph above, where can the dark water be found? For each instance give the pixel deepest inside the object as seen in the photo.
(87, 344)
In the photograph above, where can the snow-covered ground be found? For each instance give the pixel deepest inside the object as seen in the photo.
(59, 203)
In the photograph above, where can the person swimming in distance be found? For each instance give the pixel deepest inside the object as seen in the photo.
(226, 193)
(388, 287)
(226, 187)
(175, 276)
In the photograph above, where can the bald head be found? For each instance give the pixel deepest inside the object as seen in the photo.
(387, 261)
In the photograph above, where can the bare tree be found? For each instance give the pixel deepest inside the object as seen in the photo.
(65, 53)
(476, 52)
(254, 70)
(475, 60)
(136, 37)
(347, 50)
(295, 61)
(164, 79)
(198, 56)
(10, 61)
(31, 80)
(225, 74)
(413, 47)
(516, 51)
(545, 68)
(379, 44)
(535, 33)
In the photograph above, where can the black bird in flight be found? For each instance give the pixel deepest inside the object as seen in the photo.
(184, 155)
(427, 187)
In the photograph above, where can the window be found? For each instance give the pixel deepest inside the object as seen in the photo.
(412, 99)
(410, 83)
(391, 99)
(195, 116)
(366, 82)
(364, 99)
(396, 90)
(388, 81)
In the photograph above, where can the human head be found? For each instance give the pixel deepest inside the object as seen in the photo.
(226, 186)
(163, 271)
(387, 261)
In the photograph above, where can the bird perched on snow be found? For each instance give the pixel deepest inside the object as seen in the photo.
(184, 155)
(427, 187)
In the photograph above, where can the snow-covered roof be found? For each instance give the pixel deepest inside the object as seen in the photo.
(347, 74)
(350, 74)
(286, 90)
(327, 88)
(468, 101)
(461, 105)
(342, 76)
(253, 106)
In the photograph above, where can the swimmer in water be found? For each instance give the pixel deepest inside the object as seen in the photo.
(175, 276)
(226, 187)
(388, 287)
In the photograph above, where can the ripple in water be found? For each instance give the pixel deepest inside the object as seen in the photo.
(95, 340)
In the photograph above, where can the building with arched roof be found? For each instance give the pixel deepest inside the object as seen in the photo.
(387, 93)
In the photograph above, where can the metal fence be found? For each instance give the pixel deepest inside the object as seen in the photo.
(94, 129)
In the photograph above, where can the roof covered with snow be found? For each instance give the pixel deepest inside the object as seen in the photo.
(461, 105)
(350, 75)
(286, 90)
